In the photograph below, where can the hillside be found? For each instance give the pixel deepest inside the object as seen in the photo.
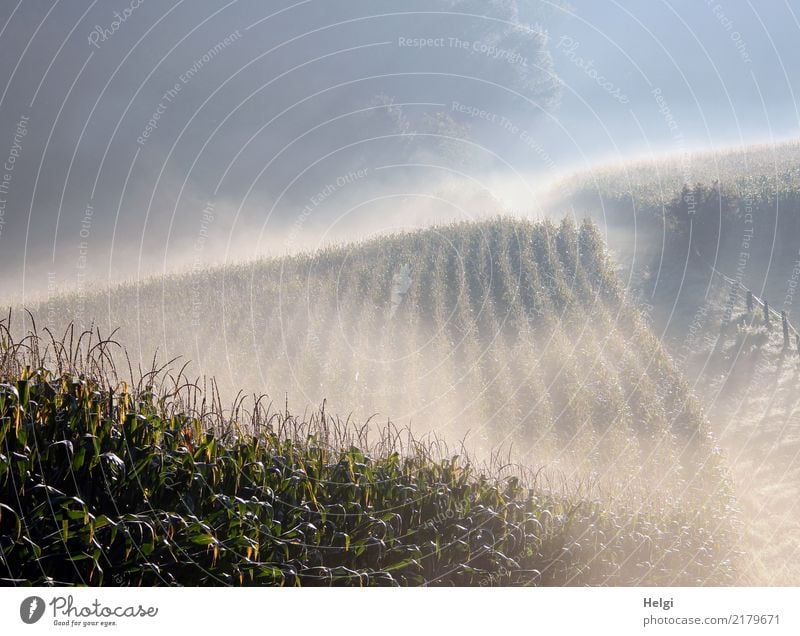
(749, 379)
(671, 220)
(709, 227)
(513, 337)
(108, 484)
(509, 332)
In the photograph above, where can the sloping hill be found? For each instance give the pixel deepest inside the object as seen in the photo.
(515, 332)
(693, 234)
(102, 483)
(670, 219)
(750, 380)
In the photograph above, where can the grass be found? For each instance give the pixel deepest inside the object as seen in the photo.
(508, 332)
(750, 385)
(669, 220)
(746, 224)
(110, 483)
(514, 337)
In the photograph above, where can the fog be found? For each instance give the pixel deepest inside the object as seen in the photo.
(147, 137)
(144, 145)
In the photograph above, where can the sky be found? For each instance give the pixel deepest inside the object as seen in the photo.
(140, 137)
(723, 69)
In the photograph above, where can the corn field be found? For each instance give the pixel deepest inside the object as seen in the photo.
(510, 340)
(105, 483)
(506, 333)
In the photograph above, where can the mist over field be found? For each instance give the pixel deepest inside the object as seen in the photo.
(135, 126)
(544, 253)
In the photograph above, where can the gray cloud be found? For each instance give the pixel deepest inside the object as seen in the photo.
(144, 115)
(140, 113)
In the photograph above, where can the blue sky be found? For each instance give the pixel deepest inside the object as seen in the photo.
(726, 70)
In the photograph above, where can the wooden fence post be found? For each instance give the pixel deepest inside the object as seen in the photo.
(749, 302)
(766, 313)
